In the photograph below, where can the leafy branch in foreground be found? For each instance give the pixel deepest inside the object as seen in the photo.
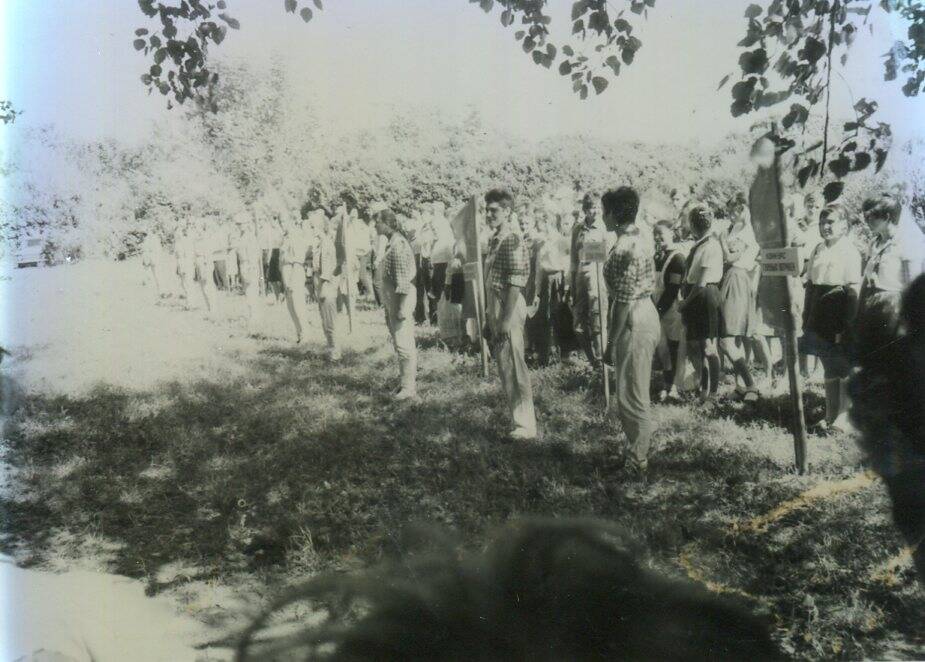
(801, 42)
(8, 113)
(178, 46)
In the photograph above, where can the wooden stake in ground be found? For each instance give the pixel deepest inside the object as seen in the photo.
(596, 253)
(780, 263)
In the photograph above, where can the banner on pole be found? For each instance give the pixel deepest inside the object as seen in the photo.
(777, 294)
(466, 231)
(594, 251)
(769, 224)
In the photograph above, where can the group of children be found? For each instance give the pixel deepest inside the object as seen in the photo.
(707, 287)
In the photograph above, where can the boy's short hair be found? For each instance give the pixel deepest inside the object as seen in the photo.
(501, 196)
(664, 224)
(835, 211)
(885, 205)
(621, 203)
(700, 219)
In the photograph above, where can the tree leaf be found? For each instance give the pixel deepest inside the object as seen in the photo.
(507, 17)
(567, 50)
(832, 190)
(724, 80)
(232, 22)
(754, 62)
(306, 14)
(141, 32)
(319, 5)
(804, 173)
(291, 5)
(880, 155)
(519, 35)
(753, 11)
(578, 26)
(840, 166)
(565, 67)
(600, 84)
(139, 44)
(861, 161)
(221, 4)
(155, 70)
(614, 63)
(579, 7)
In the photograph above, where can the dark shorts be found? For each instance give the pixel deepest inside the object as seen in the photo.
(703, 315)
(274, 274)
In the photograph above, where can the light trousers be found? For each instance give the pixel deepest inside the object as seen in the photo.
(402, 334)
(512, 366)
(294, 282)
(632, 356)
(327, 307)
(586, 306)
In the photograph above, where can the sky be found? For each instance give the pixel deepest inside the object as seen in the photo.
(359, 62)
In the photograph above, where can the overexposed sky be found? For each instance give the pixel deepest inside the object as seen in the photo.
(72, 63)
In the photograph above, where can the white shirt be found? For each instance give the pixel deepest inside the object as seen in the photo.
(359, 236)
(839, 264)
(442, 249)
(151, 249)
(897, 262)
(743, 238)
(708, 259)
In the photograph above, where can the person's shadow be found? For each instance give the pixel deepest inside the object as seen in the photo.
(11, 393)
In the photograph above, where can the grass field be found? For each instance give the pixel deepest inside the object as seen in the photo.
(218, 466)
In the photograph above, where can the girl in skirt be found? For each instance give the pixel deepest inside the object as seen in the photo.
(670, 265)
(701, 305)
(833, 277)
(740, 254)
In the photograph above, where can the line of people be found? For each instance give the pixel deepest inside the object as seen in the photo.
(684, 293)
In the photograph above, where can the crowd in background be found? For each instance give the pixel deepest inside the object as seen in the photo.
(701, 273)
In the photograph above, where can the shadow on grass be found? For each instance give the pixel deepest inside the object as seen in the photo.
(774, 410)
(225, 474)
(301, 466)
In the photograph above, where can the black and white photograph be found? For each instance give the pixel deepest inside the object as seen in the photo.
(462, 330)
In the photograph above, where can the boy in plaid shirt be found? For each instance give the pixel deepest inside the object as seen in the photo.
(507, 268)
(634, 324)
(396, 280)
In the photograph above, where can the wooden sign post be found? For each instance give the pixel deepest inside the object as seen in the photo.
(780, 263)
(596, 253)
